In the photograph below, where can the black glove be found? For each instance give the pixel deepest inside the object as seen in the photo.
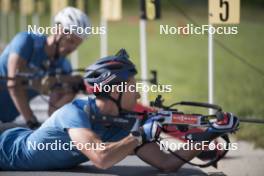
(33, 123)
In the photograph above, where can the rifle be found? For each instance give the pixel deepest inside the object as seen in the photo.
(180, 125)
(47, 81)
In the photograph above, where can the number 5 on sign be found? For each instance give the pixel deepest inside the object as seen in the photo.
(224, 11)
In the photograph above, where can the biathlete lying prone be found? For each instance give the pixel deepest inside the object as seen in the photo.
(73, 123)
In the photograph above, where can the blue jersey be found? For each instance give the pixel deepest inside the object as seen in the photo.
(31, 48)
(18, 146)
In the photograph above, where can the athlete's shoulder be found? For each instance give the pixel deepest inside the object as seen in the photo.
(29, 36)
(22, 44)
(36, 36)
(22, 37)
(71, 115)
(76, 107)
(80, 103)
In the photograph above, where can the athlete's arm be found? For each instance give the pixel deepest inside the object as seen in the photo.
(18, 94)
(164, 161)
(112, 153)
(58, 99)
(161, 160)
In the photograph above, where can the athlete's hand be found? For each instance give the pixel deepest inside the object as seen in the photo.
(151, 129)
(33, 123)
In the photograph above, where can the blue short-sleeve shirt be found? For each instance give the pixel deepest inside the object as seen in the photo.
(17, 150)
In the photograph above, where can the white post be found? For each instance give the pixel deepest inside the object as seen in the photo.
(23, 22)
(143, 59)
(210, 69)
(11, 25)
(1, 30)
(1, 27)
(4, 30)
(103, 39)
(35, 19)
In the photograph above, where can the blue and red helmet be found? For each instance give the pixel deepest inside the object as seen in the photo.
(109, 70)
